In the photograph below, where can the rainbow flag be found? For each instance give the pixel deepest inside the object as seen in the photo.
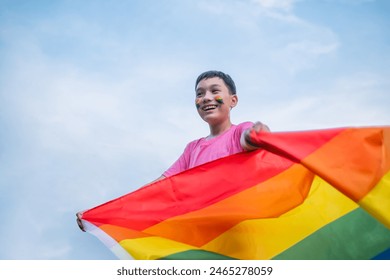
(321, 194)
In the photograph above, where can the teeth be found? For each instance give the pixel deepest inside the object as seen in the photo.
(209, 107)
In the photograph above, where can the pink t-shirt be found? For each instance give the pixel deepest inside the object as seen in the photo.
(202, 150)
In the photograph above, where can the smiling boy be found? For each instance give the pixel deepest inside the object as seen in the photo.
(215, 97)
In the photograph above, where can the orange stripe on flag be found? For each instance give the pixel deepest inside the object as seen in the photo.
(353, 161)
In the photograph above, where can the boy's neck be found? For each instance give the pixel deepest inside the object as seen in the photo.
(218, 129)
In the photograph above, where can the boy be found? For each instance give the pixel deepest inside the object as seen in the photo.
(215, 96)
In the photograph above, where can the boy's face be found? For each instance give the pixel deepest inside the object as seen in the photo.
(213, 100)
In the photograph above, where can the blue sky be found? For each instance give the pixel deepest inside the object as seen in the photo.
(97, 97)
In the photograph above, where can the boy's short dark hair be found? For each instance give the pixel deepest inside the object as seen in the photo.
(225, 77)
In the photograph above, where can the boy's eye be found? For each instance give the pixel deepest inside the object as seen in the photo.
(199, 94)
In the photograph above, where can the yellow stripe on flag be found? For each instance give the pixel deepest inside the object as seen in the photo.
(377, 201)
(151, 248)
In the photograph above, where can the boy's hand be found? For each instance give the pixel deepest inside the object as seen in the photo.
(79, 215)
(246, 142)
(258, 126)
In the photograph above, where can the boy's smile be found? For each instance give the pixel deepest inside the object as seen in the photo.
(208, 108)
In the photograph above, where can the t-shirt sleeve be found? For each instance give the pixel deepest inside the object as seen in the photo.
(241, 128)
(180, 164)
(234, 141)
(244, 126)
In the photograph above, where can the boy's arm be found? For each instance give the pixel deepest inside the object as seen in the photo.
(245, 141)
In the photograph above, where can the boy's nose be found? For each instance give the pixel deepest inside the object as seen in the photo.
(207, 97)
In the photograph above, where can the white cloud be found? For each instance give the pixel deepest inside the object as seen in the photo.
(285, 5)
(357, 100)
(275, 34)
(355, 2)
(246, 13)
(300, 55)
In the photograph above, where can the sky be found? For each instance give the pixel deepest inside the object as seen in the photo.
(97, 97)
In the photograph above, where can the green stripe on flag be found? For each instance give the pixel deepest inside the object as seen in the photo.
(356, 235)
(196, 255)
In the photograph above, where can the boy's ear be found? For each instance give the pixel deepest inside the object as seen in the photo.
(234, 101)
